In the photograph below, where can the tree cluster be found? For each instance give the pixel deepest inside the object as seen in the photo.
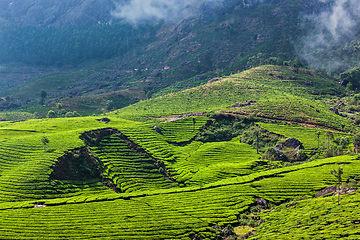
(71, 45)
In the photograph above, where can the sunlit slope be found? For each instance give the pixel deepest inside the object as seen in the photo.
(280, 92)
(164, 214)
(212, 183)
(26, 164)
(313, 219)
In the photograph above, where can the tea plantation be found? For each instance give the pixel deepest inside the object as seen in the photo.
(138, 176)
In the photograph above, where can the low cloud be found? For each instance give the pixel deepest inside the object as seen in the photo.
(333, 28)
(167, 10)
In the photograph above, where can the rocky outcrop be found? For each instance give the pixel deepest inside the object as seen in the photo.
(334, 110)
(292, 143)
(242, 104)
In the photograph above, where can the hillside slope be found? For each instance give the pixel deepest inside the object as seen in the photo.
(214, 43)
(281, 93)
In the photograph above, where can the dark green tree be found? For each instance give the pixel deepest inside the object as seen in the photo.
(51, 114)
(45, 140)
(318, 138)
(110, 105)
(43, 95)
(337, 173)
(356, 143)
(194, 123)
(351, 76)
(256, 137)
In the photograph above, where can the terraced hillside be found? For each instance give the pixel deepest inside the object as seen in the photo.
(83, 178)
(281, 93)
(312, 218)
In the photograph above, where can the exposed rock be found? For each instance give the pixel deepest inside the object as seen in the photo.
(246, 236)
(292, 143)
(226, 232)
(261, 203)
(308, 83)
(334, 110)
(278, 147)
(157, 129)
(291, 204)
(93, 138)
(332, 189)
(296, 151)
(39, 206)
(282, 157)
(242, 104)
(344, 191)
(217, 227)
(105, 119)
(213, 80)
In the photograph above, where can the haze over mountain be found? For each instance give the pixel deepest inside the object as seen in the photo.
(195, 40)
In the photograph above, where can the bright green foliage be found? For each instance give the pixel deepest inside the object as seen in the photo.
(318, 218)
(309, 137)
(281, 98)
(338, 175)
(356, 142)
(128, 169)
(59, 106)
(182, 130)
(214, 181)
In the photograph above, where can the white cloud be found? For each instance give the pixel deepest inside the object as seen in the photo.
(168, 10)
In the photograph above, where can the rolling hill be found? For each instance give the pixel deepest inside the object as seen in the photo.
(120, 177)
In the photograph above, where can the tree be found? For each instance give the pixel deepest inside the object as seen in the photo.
(318, 137)
(59, 106)
(330, 136)
(43, 95)
(351, 76)
(356, 143)
(256, 136)
(45, 140)
(50, 114)
(194, 123)
(338, 175)
(271, 155)
(110, 105)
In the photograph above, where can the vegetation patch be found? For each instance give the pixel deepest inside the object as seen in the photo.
(78, 165)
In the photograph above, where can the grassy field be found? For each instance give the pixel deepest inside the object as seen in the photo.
(163, 183)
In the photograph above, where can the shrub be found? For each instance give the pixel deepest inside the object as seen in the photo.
(50, 114)
(357, 120)
(301, 155)
(271, 155)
